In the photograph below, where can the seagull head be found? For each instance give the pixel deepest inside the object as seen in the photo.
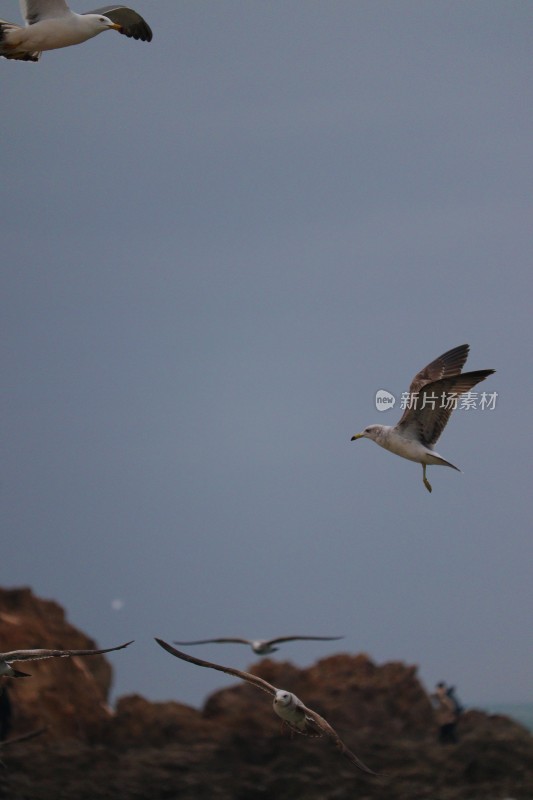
(371, 432)
(283, 699)
(102, 23)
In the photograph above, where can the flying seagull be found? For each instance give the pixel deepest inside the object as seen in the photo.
(433, 395)
(50, 24)
(6, 659)
(287, 706)
(264, 646)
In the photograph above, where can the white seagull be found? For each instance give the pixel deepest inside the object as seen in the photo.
(287, 706)
(50, 24)
(433, 395)
(6, 659)
(264, 646)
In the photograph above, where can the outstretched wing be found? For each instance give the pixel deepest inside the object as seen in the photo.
(305, 638)
(435, 402)
(328, 731)
(445, 366)
(37, 655)
(237, 673)
(217, 641)
(36, 10)
(131, 23)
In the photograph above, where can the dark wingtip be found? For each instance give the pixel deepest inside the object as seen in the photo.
(18, 674)
(141, 31)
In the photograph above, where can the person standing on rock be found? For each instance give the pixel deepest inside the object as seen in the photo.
(446, 714)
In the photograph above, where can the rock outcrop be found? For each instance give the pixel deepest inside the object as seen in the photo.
(72, 700)
(235, 747)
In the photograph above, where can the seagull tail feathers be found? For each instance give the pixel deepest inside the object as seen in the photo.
(9, 51)
(435, 459)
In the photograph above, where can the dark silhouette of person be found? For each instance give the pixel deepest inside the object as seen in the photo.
(446, 713)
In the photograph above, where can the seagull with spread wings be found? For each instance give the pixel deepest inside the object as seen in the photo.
(433, 395)
(263, 647)
(297, 716)
(50, 24)
(6, 659)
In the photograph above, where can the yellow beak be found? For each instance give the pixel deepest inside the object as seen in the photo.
(357, 436)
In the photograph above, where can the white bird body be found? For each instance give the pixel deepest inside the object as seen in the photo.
(261, 647)
(292, 711)
(56, 32)
(404, 445)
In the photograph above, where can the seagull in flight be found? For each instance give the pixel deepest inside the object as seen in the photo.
(6, 659)
(263, 647)
(433, 395)
(50, 24)
(297, 716)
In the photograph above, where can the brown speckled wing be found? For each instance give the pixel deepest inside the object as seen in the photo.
(37, 655)
(328, 731)
(304, 639)
(445, 366)
(237, 673)
(221, 640)
(435, 404)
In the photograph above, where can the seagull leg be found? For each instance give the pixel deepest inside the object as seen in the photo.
(426, 482)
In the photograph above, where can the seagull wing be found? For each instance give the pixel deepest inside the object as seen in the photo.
(328, 731)
(304, 638)
(37, 655)
(445, 366)
(435, 403)
(36, 10)
(217, 641)
(237, 673)
(131, 23)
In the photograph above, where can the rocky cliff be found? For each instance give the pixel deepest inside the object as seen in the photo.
(72, 700)
(235, 747)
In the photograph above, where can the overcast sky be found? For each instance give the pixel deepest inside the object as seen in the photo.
(215, 249)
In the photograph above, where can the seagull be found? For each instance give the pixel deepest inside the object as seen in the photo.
(6, 659)
(432, 397)
(50, 24)
(264, 646)
(287, 706)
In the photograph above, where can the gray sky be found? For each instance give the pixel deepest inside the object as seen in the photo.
(215, 249)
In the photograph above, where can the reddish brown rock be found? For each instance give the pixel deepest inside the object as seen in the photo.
(140, 723)
(68, 695)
